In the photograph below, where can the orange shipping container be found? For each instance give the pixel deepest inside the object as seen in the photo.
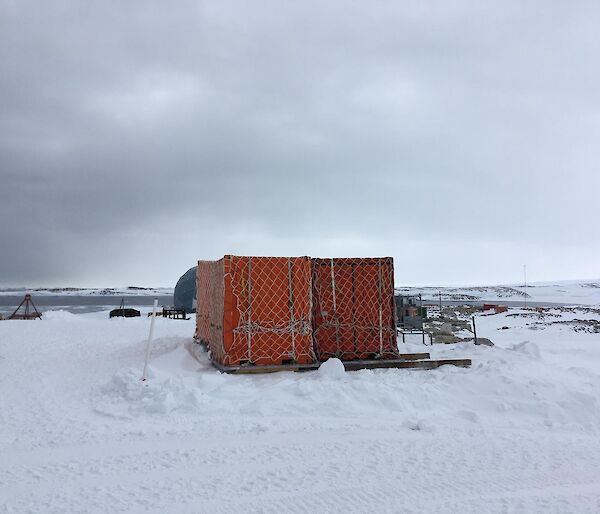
(255, 310)
(353, 308)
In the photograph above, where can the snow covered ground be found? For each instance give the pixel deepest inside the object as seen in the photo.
(517, 432)
(581, 292)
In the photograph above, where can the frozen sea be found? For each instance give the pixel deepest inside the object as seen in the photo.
(80, 304)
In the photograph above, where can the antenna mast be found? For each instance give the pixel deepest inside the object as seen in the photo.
(525, 282)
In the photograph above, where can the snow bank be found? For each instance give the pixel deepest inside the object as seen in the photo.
(528, 348)
(126, 396)
(332, 369)
(79, 431)
(59, 315)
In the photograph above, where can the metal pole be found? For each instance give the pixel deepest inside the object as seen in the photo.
(34, 307)
(525, 279)
(474, 329)
(17, 309)
(145, 373)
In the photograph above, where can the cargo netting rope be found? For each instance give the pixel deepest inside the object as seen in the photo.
(265, 314)
(353, 314)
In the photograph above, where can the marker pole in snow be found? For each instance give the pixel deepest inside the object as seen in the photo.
(144, 375)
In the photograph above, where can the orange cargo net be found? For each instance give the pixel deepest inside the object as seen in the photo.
(353, 308)
(255, 310)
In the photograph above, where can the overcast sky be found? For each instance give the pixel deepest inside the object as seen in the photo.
(461, 138)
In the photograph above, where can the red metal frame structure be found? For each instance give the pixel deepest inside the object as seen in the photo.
(27, 301)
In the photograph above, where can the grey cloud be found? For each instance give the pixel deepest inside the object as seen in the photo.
(460, 138)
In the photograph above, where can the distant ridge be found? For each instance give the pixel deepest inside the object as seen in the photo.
(83, 291)
(585, 292)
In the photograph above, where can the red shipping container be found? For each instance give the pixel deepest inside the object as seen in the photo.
(353, 308)
(255, 310)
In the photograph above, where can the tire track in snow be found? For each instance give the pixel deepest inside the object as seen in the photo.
(259, 472)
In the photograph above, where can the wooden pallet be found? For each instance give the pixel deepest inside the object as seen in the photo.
(404, 364)
(266, 368)
(406, 361)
